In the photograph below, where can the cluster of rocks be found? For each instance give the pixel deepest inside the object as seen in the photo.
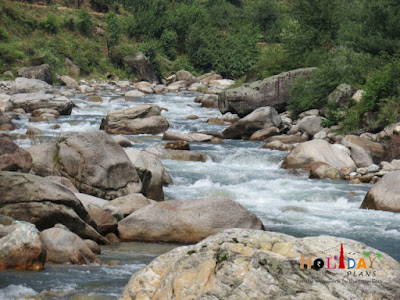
(83, 190)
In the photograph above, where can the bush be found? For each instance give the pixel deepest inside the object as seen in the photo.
(169, 43)
(50, 23)
(113, 31)
(182, 63)
(85, 22)
(69, 22)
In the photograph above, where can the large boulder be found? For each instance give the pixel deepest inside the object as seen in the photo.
(272, 91)
(104, 168)
(151, 172)
(33, 101)
(12, 157)
(63, 246)
(5, 122)
(185, 221)
(143, 119)
(26, 85)
(21, 249)
(141, 67)
(45, 203)
(363, 151)
(253, 264)
(42, 72)
(261, 118)
(384, 195)
(69, 82)
(307, 153)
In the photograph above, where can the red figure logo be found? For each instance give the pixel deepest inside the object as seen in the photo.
(341, 263)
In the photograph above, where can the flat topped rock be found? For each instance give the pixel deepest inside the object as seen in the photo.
(185, 221)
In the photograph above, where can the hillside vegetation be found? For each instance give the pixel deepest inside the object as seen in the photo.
(354, 42)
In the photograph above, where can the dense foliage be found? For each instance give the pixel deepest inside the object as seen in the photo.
(350, 41)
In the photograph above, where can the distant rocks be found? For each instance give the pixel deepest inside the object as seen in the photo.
(185, 221)
(261, 118)
(141, 67)
(25, 85)
(143, 119)
(272, 91)
(42, 72)
(39, 100)
(307, 153)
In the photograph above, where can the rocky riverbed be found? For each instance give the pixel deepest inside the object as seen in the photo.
(235, 168)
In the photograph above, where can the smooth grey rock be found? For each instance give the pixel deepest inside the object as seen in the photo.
(272, 91)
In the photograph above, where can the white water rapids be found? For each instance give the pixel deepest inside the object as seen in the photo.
(240, 170)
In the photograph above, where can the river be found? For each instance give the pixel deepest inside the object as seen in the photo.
(285, 201)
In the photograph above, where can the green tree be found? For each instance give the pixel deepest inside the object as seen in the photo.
(113, 31)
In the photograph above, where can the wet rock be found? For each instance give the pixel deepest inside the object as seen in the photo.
(272, 91)
(141, 67)
(122, 141)
(5, 122)
(210, 102)
(384, 195)
(177, 86)
(143, 119)
(263, 134)
(253, 264)
(261, 118)
(363, 151)
(277, 145)
(130, 203)
(177, 145)
(85, 89)
(42, 72)
(33, 101)
(105, 221)
(307, 153)
(69, 82)
(185, 76)
(184, 155)
(12, 157)
(135, 93)
(185, 221)
(45, 203)
(64, 246)
(192, 117)
(93, 246)
(225, 119)
(320, 170)
(151, 172)
(112, 238)
(21, 249)
(188, 137)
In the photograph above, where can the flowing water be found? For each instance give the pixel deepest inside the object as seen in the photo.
(240, 170)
